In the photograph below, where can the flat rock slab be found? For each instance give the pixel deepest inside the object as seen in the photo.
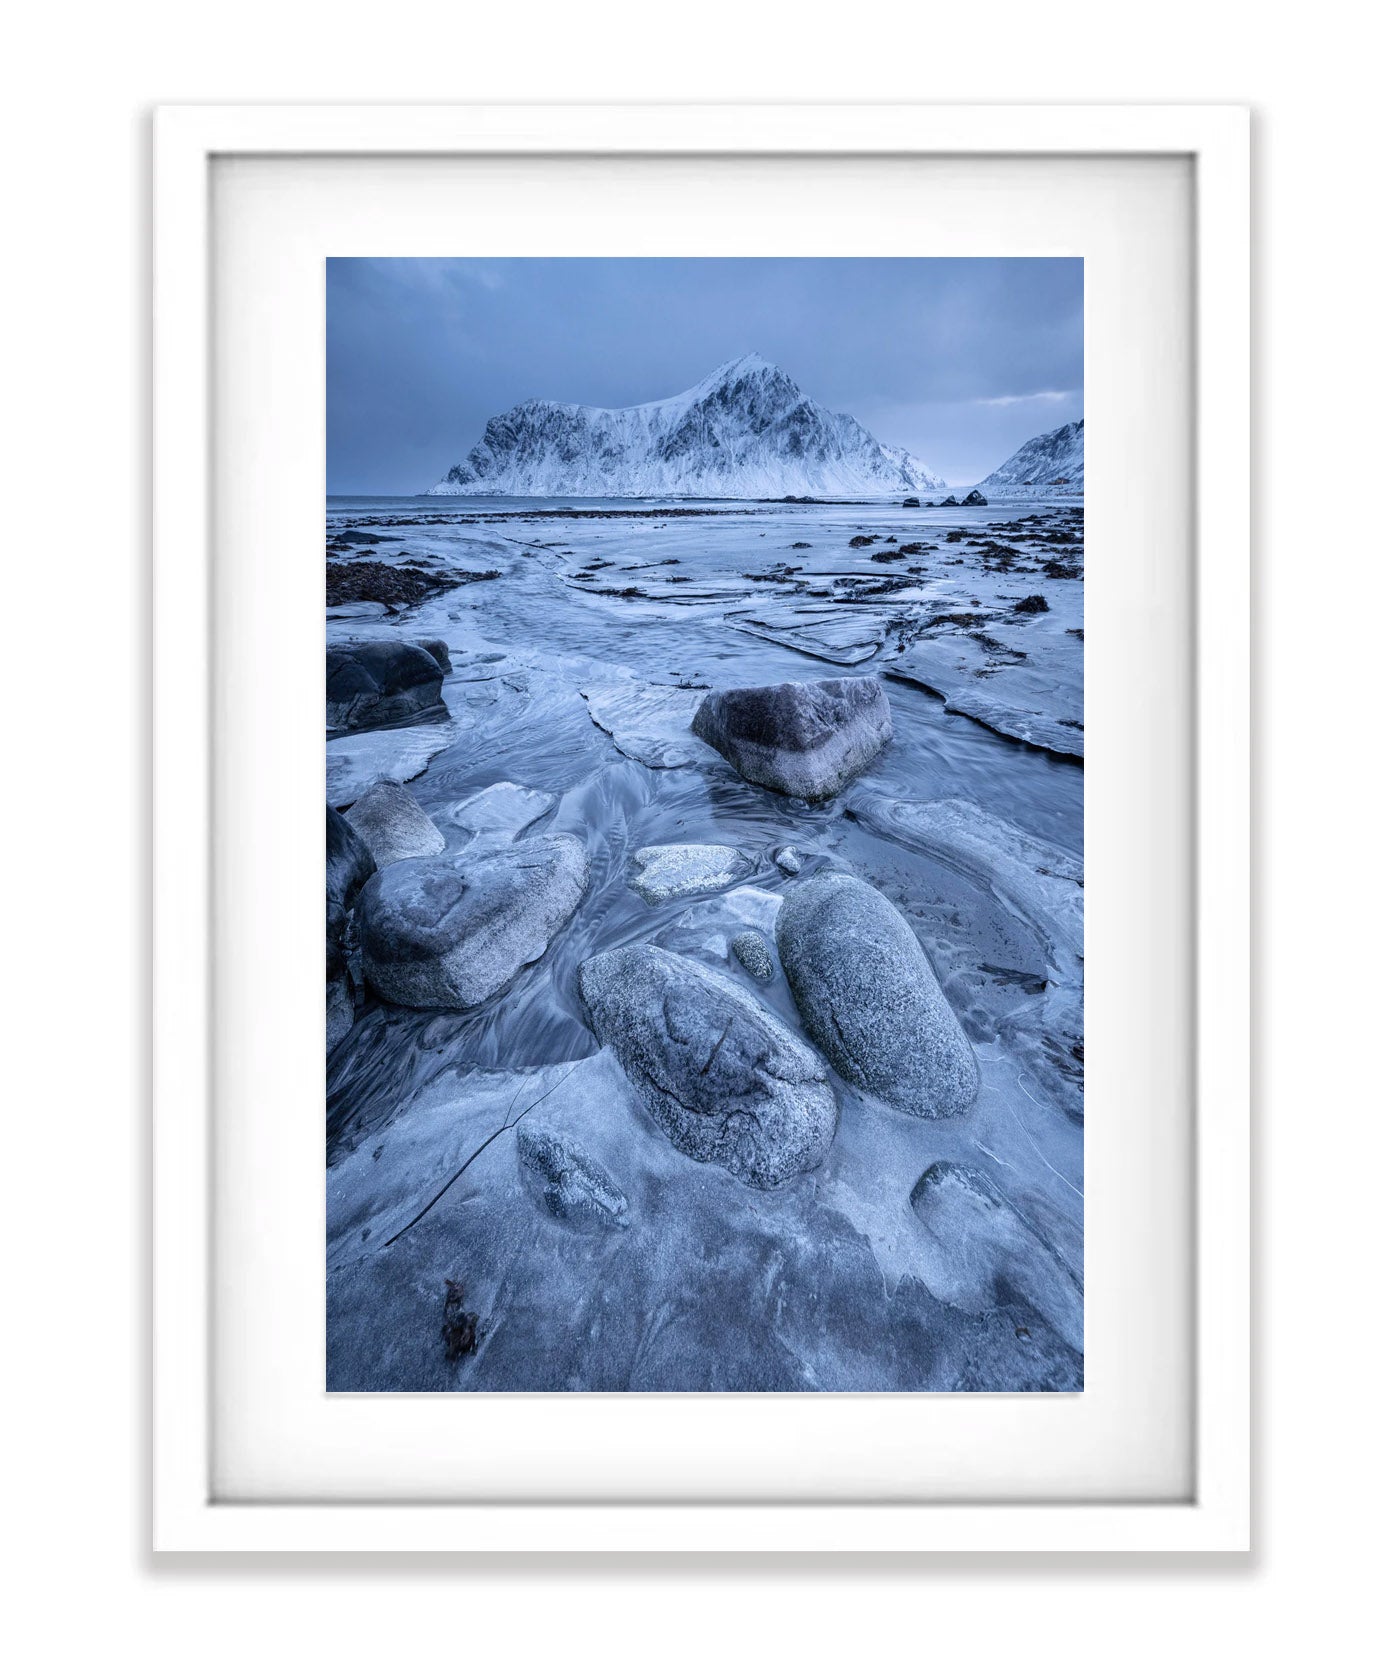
(354, 763)
(870, 999)
(673, 871)
(450, 932)
(805, 739)
(709, 1286)
(840, 637)
(647, 721)
(986, 1250)
(393, 824)
(504, 808)
(1029, 686)
(725, 1080)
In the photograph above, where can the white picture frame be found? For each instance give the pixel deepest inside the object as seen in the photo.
(187, 1515)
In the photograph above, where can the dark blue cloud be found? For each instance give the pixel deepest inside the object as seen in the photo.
(958, 359)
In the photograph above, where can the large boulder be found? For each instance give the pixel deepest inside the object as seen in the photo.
(450, 932)
(375, 685)
(807, 739)
(725, 1080)
(974, 498)
(393, 824)
(869, 998)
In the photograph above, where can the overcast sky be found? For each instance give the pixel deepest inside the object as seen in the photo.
(958, 359)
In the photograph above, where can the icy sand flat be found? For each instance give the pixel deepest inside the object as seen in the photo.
(596, 1254)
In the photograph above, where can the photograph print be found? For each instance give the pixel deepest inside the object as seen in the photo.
(704, 824)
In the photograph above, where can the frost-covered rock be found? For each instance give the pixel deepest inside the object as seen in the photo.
(724, 1079)
(870, 999)
(671, 871)
(807, 739)
(450, 932)
(750, 949)
(746, 430)
(566, 1181)
(393, 824)
(371, 685)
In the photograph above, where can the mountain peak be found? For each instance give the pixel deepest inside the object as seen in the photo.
(1055, 457)
(745, 430)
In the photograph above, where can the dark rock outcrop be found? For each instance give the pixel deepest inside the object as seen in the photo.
(870, 999)
(910, 501)
(1032, 604)
(438, 648)
(807, 739)
(376, 685)
(448, 933)
(348, 866)
(723, 1078)
(949, 501)
(974, 498)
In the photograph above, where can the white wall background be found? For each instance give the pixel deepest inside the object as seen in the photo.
(73, 537)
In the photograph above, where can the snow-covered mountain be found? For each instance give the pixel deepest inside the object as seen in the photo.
(746, 430)
(1052, 458)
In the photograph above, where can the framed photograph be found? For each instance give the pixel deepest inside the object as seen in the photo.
(773, 1074)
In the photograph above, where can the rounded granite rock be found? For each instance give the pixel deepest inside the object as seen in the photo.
(724, 1079)
(450, 932)
(393, 824)
(869, 997)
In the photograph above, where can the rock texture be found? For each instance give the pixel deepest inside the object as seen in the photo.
(348, 866)
(724, 1079)
(807, 739)
(751, 949)
(448, 933)
(566, 1182)
(870, 999)
(672, 871)
(374, 685)
(393, 824)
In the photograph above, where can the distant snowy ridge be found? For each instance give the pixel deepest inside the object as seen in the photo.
(1052, 458)
(746, 430)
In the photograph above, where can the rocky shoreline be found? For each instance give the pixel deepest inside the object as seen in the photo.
(788, 1160)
